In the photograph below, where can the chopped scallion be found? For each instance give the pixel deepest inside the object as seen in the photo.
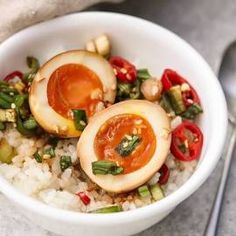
(20, 127)
(38, 157)
(127, 145)
(104, 167)
(183, 148)
(128, 91)
(30, 123)
(50, 151)
(165, 103)
(143, 74)
(6, 97)
(32, 63)
(176, 99)
(110, 209)
(80, 119)
(19, 99)
(157, 192)
(65, 162)
(192, 111)
(2, 126)
(53, 141)
(144, 191)
(4, 104)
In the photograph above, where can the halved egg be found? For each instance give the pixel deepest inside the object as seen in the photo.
(132, 136)
(71, 80)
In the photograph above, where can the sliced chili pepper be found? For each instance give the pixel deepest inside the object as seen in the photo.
(84, 198)
(187, 141)
(165, 174)
(124, 70)
(171, 78)
(13, 75)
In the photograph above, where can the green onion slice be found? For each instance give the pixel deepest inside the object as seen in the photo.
(104, 167)
(32, 63)
(144, 191)
(53, 141)
(2, 126)
(65, 162)
(127, 145)
(192, 111)
(19, 99)
(6, 97)
(143, 74)
(4, 104)
(30, 123)
(109, 209)
(38, 157)
(80, 119)
(50, 151)
(157, 192)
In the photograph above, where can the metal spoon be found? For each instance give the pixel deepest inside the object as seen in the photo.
(227, 76)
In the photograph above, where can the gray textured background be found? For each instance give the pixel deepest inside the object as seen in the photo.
(209, 26)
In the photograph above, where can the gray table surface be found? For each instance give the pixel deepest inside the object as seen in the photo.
(209, 26)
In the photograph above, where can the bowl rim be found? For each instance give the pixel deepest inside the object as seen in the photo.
(214, 149)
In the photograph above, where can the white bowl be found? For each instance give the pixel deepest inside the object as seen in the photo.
(147, 45)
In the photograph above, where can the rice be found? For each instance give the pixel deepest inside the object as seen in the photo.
(46, 182)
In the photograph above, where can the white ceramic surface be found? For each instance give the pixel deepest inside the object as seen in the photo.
(147, 45)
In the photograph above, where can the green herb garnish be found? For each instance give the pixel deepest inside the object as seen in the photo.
(38, 157)
(53, 141)
(4, 104)
(128, 91)
(143, 74)
(30, 123)
(33, 64)
(2, 126)
(104, 167)
(165, 103)
(49, 151)
(80, 119)
(144, 191)
(192, 111)
(109, 209)
(183, 148)
(6, 97)
(157, 192)
(176, 99)
(20, 99)
(20, 126)
(127, 145)
(65, 162)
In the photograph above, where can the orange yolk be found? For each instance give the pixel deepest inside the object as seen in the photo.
(74, 86)
(115, 130)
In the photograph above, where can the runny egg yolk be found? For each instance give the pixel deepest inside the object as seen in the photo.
(116, 131)
(74, 86)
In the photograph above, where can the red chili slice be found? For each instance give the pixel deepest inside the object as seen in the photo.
(124, 70)
(187, 141)
(13, 75)
(165, 174)
(171, 78)
(84, 198)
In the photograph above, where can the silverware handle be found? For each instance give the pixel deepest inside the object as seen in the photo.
(215, 211)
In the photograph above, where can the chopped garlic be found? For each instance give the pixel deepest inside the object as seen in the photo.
(185, 87)
(90, 46)
(102, 44)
